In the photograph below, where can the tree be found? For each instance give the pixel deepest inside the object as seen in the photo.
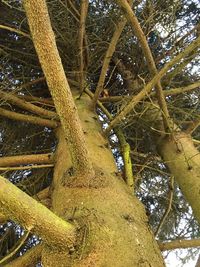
(138, 83)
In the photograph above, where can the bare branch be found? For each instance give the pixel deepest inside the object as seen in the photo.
(151, 84)
(84, 10)
(26, 159)
(14, 30)
(29, 259)
(28, 106)
(179, 244)
(109, 53)
(16, 249)
(173, 91)
(164, 217)
(27, 118)
(193, 127)
(44, 41)
(16, 204)
(149, 57)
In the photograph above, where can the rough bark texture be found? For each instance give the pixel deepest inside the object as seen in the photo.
(182, 158)
(112, 225)
(45, 45)
(112, 228)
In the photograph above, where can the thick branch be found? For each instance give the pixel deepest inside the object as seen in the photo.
(27, 118)
(42, 196)
(179, 244)
(34, 217)
(151, 84)
(44, 41)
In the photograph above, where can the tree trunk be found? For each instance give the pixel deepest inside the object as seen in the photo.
(112, 224)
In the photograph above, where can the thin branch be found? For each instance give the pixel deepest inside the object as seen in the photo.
(37, 100)
(84, 10)
(29, 259)
(109, 53)
(16, 204)
(28, 106)
(193, 127)
(179, 244)
(171, 193)
(151, 84)
(30, 167)
(16, 249)
(173, 91)
(28, 118)
(14, 30)
(26, 159)
(149, 57)
(36, 81)
(178, 43)
(125, 147)
(173, 73)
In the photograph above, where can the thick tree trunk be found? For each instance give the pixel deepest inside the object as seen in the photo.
(112, 225)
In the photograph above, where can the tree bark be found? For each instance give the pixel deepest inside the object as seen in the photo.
(183, 160)
(111, 225)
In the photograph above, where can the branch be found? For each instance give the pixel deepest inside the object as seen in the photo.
(15, 249)
(29, 259)
(151, 84)
(125, 147)
(164, 217)
(149, 57)
(109, 53)
(42, 196)
(28, 84)
(34, 217)
(193, 127)
(84, 10)
(38, 100)
(45, 45)
(28, 106)
(173, 91)
(28, 118)
(181, 90)
(15, 30)
(26, 159)
(179, 244)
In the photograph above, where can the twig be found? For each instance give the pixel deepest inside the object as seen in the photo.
(171, 193)
(14, 30)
